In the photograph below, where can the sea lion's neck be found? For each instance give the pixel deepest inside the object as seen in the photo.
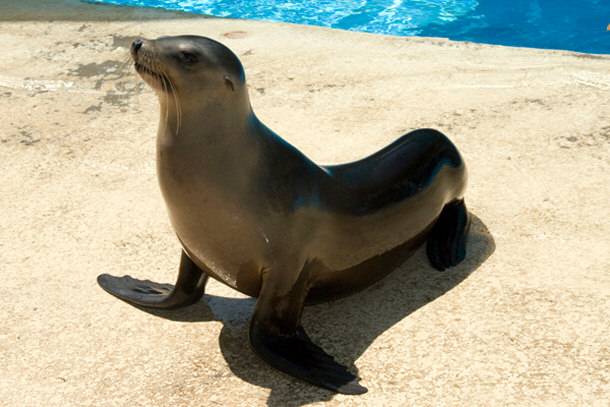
(208, 121)
(220, 140)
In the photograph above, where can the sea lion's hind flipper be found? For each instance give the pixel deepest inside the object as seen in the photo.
(299, 357)
(188, 289)
(446, 245)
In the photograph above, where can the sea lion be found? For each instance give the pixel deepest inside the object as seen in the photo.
(255, 213)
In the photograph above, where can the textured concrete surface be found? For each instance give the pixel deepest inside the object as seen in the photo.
(524, 321)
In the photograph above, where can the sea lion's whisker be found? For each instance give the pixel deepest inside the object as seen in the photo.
(177, 103)
(126, 68)
(164, 83)
(161, 74)
(125, 65)
(131, 70)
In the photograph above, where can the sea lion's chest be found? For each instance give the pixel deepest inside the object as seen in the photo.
(221, 223)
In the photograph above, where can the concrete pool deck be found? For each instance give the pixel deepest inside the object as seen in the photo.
(524, 321)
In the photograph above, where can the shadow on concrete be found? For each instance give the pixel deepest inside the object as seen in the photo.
(77, 10)
(345, 328)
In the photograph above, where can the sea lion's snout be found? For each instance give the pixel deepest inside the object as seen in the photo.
(135, 46)
(149, 64)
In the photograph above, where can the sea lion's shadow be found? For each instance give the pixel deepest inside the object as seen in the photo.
(344, 328)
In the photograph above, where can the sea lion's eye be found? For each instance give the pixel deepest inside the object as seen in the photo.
(188, 57)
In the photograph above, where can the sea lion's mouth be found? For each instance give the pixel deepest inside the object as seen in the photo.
(145, 70)
(154, 78)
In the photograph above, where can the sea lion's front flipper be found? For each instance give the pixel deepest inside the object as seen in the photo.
(446, 245)
(188, 289)
(278, 338)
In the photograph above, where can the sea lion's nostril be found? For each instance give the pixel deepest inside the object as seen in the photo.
(136, 45)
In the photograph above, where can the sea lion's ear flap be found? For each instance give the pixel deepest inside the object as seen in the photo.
(229, 83)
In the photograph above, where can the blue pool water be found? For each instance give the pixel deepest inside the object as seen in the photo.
(574, 25)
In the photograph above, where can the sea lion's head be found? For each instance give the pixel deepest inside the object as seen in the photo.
(188, 65)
